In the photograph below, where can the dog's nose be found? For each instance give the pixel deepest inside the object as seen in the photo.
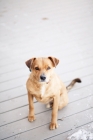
(43, 77)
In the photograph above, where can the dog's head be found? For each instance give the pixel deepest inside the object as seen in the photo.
(42, 68)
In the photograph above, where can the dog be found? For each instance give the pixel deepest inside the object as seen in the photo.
(44, 84)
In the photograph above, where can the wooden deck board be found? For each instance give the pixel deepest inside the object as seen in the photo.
(20, 81)
(66, 125)
(63, 29)
(64, 136)
(86, 82)
(65, 68)
(21, 91)
(80, 106)
(22, 108)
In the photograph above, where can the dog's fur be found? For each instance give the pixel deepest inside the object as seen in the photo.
(46, 87)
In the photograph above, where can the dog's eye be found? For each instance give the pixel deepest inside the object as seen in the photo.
(36, 68)
(48, 68)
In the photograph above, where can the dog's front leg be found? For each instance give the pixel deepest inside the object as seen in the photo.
(31, 116)
(53, 124)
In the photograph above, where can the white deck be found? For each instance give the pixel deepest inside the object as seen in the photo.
(60, 28)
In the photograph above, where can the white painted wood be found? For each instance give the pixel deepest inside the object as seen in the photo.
(86, 86)
(12, 67)
(42, 131)
(43, 118)
(65, 77)
(78, 73)
(18, 91)
(57, 53)
(14, 75)
(61, 69)
(13, 84)
(20, 113)
(63, 61)
(87, 80)
(75, 95)
(14, 103)
(66, 33)
(88, 127)
(13, 93)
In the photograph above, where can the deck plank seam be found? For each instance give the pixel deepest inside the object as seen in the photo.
(55, 53)
(49, 110)
(62, 64)
(49, 123)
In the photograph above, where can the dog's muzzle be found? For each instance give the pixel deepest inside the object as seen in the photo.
(42, 78)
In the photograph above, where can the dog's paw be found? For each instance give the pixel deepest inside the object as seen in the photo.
(31, 118)
(53, 126)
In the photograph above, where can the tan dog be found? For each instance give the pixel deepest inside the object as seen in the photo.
(46, 87)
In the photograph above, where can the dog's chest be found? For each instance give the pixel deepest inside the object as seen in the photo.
(43, 95)
(42, 91)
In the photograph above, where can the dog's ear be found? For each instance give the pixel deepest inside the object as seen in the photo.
(54, 60)
(29, 63)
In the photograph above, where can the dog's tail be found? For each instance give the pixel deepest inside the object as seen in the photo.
(77, 80)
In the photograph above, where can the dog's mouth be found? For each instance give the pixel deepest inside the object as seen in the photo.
(44, 81)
